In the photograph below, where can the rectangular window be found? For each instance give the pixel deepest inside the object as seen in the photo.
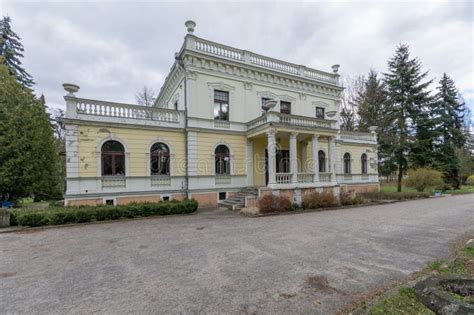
(221, 105)
(285, 107)
(109, 202)
(222, 195)
(320, 112)
(176, 105)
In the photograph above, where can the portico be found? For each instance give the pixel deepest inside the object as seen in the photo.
(287, 159)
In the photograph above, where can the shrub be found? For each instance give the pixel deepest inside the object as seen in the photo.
(470, 180)
(271, 203)
(424, 178)
(347, 199)
(314, 200)
(61, 215)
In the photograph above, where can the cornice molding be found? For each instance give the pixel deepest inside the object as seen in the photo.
(214, 66)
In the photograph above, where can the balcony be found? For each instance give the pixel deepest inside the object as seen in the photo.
(277, 118)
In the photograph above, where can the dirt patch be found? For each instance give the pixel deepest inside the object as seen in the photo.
(7, 274)
(321, 284)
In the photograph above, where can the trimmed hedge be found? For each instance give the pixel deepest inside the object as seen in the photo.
(57, 216)
(394, 195)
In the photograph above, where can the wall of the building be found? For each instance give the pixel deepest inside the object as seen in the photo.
(245, 103)
(207, 142)
(356, 151)
(137, 143)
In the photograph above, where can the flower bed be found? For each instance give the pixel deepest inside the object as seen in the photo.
(57, 215)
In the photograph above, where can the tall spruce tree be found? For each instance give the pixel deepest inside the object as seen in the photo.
(407, 100)
(449, 112)
(371, 104)
(11, 49)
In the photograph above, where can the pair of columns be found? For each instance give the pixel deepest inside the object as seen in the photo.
(272, 147)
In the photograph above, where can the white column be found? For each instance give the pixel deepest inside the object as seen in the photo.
(332, 158)
(315, 157)
(249, 163)
(293, 158)
(304, 154)
(271, 150)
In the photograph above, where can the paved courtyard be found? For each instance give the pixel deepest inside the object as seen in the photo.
(220, 262)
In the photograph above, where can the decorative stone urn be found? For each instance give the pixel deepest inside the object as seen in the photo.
(269, 105)
(190, 25)
(71, 88)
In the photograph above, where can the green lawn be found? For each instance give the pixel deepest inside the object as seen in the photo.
(404, 301)
(392, 187)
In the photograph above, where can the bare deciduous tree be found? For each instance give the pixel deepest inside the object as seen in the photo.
(146, 96)
(353, 85)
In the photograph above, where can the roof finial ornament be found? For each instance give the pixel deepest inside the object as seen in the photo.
(335, 68)
(190, 25)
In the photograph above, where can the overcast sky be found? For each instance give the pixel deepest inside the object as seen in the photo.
(111, 49)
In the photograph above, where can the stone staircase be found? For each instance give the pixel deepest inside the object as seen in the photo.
(237, 202)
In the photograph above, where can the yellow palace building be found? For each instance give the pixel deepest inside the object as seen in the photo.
(227, 124)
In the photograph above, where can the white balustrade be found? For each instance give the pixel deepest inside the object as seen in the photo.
(305, 178)
(325, 177)
(220, 50)
(160, 180)
(113, 182)
(273, 64)
(257, 122)
(283, 178)
(119, 110)
(223, 179)
(355, 135)
(302, 121)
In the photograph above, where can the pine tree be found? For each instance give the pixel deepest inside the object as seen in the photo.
(11, 49)
(407, 98)
(449, 112)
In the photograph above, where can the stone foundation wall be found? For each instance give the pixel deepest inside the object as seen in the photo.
(205, 200)
(84, 202)
(361, 188)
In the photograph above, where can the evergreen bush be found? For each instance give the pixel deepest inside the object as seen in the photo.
(64, 215)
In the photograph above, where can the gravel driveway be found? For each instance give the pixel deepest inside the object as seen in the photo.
(219, 262)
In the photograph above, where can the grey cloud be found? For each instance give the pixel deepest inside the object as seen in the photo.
(111, 49)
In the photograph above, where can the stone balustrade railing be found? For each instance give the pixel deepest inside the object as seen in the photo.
(283, 178)
(305, 178)
(325, 177)
(302, 121)
(113, 110)
(244, 56)
(355, 135)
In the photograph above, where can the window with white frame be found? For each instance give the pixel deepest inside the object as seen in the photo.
(221, 105)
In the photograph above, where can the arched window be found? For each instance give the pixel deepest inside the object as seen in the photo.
(159, 159)
(322, 161)
(347, 163)
(363, 163)
(113, 158)
(222, 154)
